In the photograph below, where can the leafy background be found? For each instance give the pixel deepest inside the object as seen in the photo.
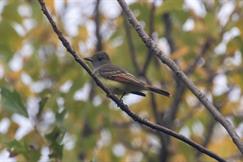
(51, 108)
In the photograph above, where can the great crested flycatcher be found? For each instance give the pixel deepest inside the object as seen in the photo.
(117, 79)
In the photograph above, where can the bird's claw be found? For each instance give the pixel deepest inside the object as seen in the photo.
(122, 96)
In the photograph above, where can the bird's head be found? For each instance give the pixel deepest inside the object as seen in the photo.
(98, 59)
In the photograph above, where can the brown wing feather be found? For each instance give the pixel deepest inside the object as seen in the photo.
(115, 73)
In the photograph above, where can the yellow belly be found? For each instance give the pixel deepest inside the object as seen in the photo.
(119, 88)
(110, 83)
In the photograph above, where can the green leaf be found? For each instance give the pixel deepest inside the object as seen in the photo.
(17, 147)
(60, 116)
(11, 42)
(43, 101)
(55, 139)
(10, 12)
(12, 102)
(42, 104)
(169, 6)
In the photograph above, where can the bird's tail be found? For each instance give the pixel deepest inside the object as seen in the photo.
(159, 91)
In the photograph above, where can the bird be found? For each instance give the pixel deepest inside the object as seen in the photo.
(117, 79)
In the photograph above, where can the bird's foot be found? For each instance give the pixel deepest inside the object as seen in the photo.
(123, 94)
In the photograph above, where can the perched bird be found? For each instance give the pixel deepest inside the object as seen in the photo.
(117, 79)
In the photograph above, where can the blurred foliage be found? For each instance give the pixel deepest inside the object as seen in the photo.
(41, 83)
(12, 102)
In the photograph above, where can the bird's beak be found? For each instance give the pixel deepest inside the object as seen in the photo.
(88, 59)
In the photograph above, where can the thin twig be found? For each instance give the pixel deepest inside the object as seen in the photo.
(156, 113)
(168, 31)
(151, 31)
(131, 46)
(120, 103)
(209, 133)
(136, 66)
(235, 157)
(153, 103)
(97, 26)
(169, 115)
(180, 88)
(181, 75)
(205, 47)
(98, 46)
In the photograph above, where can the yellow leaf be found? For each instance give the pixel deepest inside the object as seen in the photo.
(51, 6)
(179, 53)
(201, 72)
(183, 65)
(24, 89)
(13, 76)
(232, 47)
(103, 155)
(230, 107)
(178, 158)
(219, 146)
(240, 26)
(83, 33)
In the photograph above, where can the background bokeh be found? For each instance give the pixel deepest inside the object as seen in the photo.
(51, 110)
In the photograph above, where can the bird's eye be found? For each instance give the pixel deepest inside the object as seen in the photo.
(100, 58)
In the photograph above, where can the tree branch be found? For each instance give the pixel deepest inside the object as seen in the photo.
(131, 46)
(97, 26)
(181, 75)
(120, 103)
(87, 129)
(151, 30)
(210, 126)
(169, 115)
(168, 31)
(136, 66)
(180, 88)
(156, 113)
(235, 157)
(98, 46)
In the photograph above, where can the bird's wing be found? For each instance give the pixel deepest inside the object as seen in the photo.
(113, 72)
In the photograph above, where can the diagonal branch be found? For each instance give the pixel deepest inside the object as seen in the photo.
(180, 88)
(120, 103)
(210, 126)
(181, 75)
